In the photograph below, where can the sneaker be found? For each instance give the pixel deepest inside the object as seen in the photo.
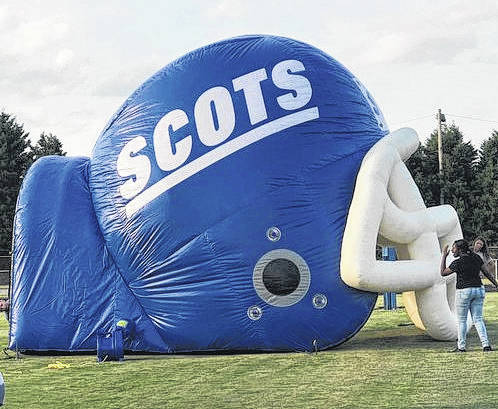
(487, 349)
(458, 350)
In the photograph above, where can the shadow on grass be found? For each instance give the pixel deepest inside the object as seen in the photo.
(390, 339)
(395, 342)
(364, 344)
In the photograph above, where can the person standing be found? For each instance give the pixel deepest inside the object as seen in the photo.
(5, 307)
(469, 291)
(481, 249)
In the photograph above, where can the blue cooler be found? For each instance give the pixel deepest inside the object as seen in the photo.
(110, 345)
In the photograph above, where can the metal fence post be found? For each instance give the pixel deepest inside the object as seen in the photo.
(496, 269)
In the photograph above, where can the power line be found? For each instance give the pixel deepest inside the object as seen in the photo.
(413, 119)
(453, 115)
(472, 118)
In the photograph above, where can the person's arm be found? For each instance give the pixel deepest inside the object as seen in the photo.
(445, 271)
(488, 275)
(489, 264)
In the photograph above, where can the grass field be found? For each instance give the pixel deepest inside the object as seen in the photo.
(384, 366)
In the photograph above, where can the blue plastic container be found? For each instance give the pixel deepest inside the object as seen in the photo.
(110, 345)
(389, 254)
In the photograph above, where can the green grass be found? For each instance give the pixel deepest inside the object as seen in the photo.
(384, 366)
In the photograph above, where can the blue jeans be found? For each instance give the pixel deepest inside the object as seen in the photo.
(470, 299)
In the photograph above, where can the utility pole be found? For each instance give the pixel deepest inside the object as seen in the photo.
(440, 118)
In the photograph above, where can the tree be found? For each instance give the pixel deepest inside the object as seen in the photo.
(459, 160)
(424, 169)
(47, 145)
(16, 156)
(15, 160)
(486, 207)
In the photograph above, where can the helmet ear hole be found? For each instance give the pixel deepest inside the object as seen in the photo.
(281, 278)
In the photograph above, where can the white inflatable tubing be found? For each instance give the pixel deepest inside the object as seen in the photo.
(387, 205)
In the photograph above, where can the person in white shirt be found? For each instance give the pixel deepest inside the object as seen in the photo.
(5, 307)
(481, 249)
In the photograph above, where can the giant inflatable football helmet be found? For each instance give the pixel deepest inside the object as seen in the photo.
(234, 202)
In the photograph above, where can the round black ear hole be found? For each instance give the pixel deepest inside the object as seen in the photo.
(281, 276)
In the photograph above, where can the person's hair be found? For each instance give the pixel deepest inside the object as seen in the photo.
(462, 245)
(8, 306)
(484, 248)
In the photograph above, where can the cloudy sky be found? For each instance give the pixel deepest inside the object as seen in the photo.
(67, 66)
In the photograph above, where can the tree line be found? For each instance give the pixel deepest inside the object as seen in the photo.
(469, 180)
(17, 154)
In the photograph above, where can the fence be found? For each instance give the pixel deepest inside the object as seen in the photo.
(4, 269)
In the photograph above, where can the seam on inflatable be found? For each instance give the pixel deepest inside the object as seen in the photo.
(136, 299)
(113, 209)
(12, 265)
(11, 280)
(310, 171)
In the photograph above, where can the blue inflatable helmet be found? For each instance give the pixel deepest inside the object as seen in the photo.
(221, 189)
(223, 185)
